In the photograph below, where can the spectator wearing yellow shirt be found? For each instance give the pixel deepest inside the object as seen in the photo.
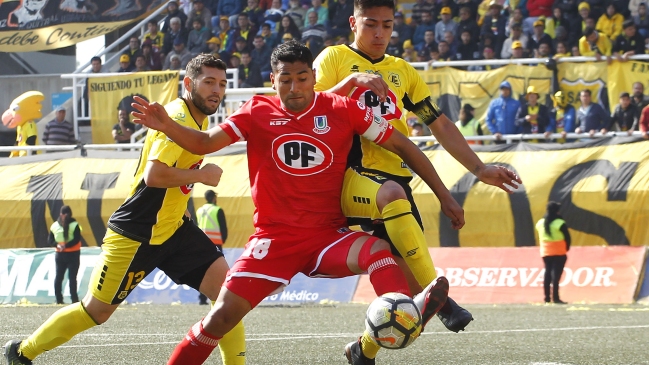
(610, 23)
(594, 45)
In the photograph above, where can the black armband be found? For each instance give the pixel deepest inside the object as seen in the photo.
(427, 111)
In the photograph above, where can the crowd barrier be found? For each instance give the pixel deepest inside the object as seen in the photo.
(476, 275)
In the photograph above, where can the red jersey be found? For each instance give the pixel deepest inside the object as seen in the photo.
(297, 162)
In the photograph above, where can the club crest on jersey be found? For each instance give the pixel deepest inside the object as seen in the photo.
(394, 78)
(320, 123)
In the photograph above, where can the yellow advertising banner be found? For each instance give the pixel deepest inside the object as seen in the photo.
(452, 87)
(604, 191)
(575, 77)
(27, 26)
(622, 76)
(108, 95)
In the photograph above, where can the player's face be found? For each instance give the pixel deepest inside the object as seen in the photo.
(294, 83)
(207, 90)
(372, 29)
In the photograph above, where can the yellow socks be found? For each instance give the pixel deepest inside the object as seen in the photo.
(57, 330)
(233, 346)
(368, 347)
(408, 238)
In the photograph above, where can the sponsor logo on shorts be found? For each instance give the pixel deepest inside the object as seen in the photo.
(122, 294)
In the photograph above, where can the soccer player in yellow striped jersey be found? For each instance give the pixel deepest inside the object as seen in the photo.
(150, 229)
(392, 87)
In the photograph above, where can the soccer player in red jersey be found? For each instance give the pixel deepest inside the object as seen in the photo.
(298, 144)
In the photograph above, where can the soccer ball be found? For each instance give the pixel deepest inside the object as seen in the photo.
(393, 321)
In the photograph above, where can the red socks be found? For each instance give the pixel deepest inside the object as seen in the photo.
(385, 274)
(195, 348)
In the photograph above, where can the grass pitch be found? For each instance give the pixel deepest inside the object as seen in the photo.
(316, 334)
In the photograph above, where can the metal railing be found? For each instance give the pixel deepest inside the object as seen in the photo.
(513, 61)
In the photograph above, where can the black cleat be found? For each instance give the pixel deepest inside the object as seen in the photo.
(457, 319)
(12, 356)
(354, 354)
(431, 299)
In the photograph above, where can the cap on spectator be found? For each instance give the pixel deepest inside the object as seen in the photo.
(398, 14)
(61, 108)
(124, 58)
(583, 5)
(407, 44)
(493, 3)
(623, 94)
(628, 23)
(468, 107)
(531, 90)
(225, 17)
(236, 54)
(539, 23)
(178, 41)
(446, 10)
(517, 44)
(287, 36)
(240, 39)
(395, 34)
(215, 40)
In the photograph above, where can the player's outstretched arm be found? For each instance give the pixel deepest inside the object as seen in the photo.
(420, 164)
(154, 116)
(159, 175)
(453, 141)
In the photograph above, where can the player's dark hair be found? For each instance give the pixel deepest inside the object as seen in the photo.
(195, 66)
(65, 218)
(210, 196)
(362, 5)
(551, 213)
(291, 52)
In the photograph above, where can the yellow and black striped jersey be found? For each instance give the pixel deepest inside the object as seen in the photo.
(335, 63)
(154, 214)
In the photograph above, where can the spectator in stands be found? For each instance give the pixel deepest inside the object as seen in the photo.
(444, 51)
(517, 50)
(467, 23)
(487, 54)
(197, 39)
(287, 26)
(421, 7)
(610, 23)
(468, 125)
(249, 73)
(597, 7)
(179, 50)
(409, 53)
(175, 30)
(533, 117)
(558, 19)
(95, 68)
(501, 115)
(405, 31)
(440, 5)
(261, 57)
(642, 20)
(628, 43)
(579, 25)
(538, 8)
(426, 24)
(591, 117)
(133, 49)
(214, 46)
(644, 123)
(314, 33)
(339, 13)
(286, 37)
(140, 64)
(224, 32)
(274, 14)
(245, 31)
(174, 63)
(395, 47)
(235, 60)
(625, 115)
(123, 130)
(173, 12)
(321, 11)
(241, 45)
(640, 100)
(467, 50)
(539, 36)
(633, 7)
(568, 9)
(59, 131)
(229, 9)
(515, 18)
(156, 37)
(562, 50)
(125, 64)
(449, 37)
(199, 11)
(255, 14)
(432, 56)
(428, 43)
(594, 45)
(544, 51)
(516, 35)
(562, 115)
(151, 57)
(473, 8)
(297, 13)
(445, 25)
(561, 35)
(266, 33)
(495, 23)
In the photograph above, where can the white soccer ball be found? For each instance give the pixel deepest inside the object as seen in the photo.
(393, 321)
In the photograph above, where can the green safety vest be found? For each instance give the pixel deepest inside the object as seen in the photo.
(552, 244)
(470, 129)
(57, 231)
(206, 216)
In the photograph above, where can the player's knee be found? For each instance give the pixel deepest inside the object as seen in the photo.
(99, 312)
(380, 245)
(389, 192)
(219, 322)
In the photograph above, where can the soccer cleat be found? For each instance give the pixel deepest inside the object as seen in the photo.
(12, 356)
(354, 354)
(457, 319)
(431, 299)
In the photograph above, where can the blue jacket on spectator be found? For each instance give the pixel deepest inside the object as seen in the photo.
(229, 7)
(592, 118)
(420, 30)
(501, 115)
(566, 124)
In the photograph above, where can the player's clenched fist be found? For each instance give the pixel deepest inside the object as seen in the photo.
(211, 174)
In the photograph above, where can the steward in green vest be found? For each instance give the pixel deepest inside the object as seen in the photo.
(468, 125)
(554, 241)
(211, 219)
(65, 235)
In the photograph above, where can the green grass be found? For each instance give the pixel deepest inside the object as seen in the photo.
(316, 334)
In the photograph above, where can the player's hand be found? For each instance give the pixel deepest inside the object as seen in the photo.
(498, 176)
(152, 115)
(373, 82)
(211, 174)
(453, 211)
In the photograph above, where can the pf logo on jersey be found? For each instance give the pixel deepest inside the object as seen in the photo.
(188, 188)
(387, 109)
(301, 154)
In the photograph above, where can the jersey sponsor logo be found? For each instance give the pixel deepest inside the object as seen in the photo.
(388, 109)
(368, 113)
(394, 78)
(320, 123)
(343, 230)
(301, 155)
(354, 68)
(279, 121)
(188, 188)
